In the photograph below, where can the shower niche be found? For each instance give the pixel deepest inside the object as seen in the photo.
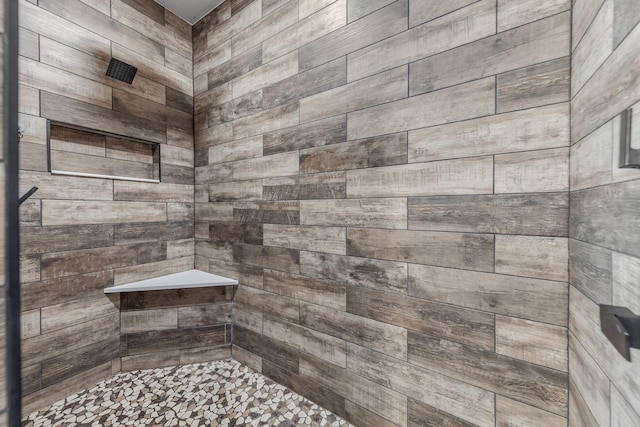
(78, 151)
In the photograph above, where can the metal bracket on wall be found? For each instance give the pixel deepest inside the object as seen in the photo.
(629, 157)
(622, 327)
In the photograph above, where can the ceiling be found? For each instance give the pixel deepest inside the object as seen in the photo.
(190, 10)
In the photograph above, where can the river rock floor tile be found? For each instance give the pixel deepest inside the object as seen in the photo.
(222, 393)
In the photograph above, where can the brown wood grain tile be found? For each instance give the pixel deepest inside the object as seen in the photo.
(467, 326)
(535, 385)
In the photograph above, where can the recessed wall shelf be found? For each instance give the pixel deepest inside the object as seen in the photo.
(182, 280)
(78, 151)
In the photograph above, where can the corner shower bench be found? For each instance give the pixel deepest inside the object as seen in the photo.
(174, 319)
(183, 280)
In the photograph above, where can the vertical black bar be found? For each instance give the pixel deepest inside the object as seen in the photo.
(160, 162)
(49, 146)
(629, 157)
(14, 387)
(624, 139)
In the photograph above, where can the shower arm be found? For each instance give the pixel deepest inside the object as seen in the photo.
(29, 193)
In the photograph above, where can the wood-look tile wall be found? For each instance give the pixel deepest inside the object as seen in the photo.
(174, 327)
(605, 201)
(80, 235)
(389, 182)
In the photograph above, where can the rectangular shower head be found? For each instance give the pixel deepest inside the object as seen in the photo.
(121, 71)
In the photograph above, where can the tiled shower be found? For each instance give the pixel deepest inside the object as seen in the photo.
(422, 202)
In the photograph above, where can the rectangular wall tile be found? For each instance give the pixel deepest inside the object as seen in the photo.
(307, 386)
(510, 412)
(356, 9)
(594, 385)
(323, 346)
(282, 259)
(143, 192)
(285, 212)
(235, 24)
(426, 10)
(590, 271)
(149, 269)
(354, 271)
(467, 25)
(65, 187)
(535, 385)
(468, 402)
(533, 86)
(236, 150)
(422, 414)
(268, 304)
(267, 167)
(316, 25)
(318, 239)
(174, 339)
(321, 292)
(379, 25)
(471, 327)
(529, 214)
(533, 342)
(357, 412)
(593, 49)
(462, 102)
(265, 75)
(591, 159)
(308, 7)
(597, 103)
(539, 257)
(313, 134)
(271, 24)
(448, 177)
(59, 212)
(37, 240)
(148, 320)
(625, 292)
(59, 316)
(57, 264)
(533, 43)
(236, 191)
(307, 83)
(266, 121)
(379, 213)
(535, 129)
(63, 289)
(592, 210)
(533, 299)
(379, 89)
(512, 13)
(540, 171)
(621, 411)
(378, 336)
(379, 399)
(468, 251)
(386, 150)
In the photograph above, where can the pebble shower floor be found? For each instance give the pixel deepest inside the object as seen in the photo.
(223, 393)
